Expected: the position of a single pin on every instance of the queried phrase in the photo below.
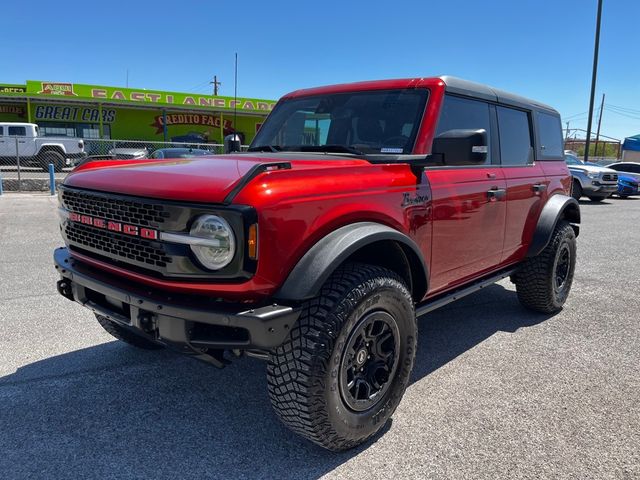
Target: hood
(195, 179)
(625, 177)
(591, 169)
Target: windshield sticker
(391, 150)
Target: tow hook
(65, 289)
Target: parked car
(590, 180)
(23, 140)
(630, 169)
(627, 186)
(129, 153)
(318, 249)
(180, 153)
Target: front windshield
(572, 160)
(366, 122)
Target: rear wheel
(543, 282)
(53, 157)
(576, 190)
(346, 364)
(126, 335)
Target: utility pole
(595, 153)
(566, 135)
(593, 81)
(215, 84)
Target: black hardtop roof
(471, 89)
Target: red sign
(192, 119)
(53, 88)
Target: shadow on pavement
(111, 411)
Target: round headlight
(218, 243)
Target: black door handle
(539, 187)
(495, 194)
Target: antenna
(235, 96)
(127, 78)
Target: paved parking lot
(497, 392)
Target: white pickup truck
(22, 140)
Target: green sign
(13, 88)
(154, 97)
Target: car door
(526, 181)
(18, 140)
(468, 203)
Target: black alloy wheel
(369, 360)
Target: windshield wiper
(265, 148)
(331, 148)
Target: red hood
(198, 179)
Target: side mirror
(461, 147)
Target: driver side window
(463, 113)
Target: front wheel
(346, 364)
(576, 190)
(543, 282)
(52, 157)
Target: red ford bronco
(357, 209)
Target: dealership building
(94, 111)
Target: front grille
(609, 177)
(127, 248)
(133, 212)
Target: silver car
(591, 181)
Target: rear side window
(462, 113)
(1, 131)
(18, 131)
(515, 137)
(550, 134)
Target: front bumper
(189, 323)
(600, 188)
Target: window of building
(515, 137)
(463, 113)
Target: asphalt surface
(497, 392)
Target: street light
(593, 82)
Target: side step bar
(442, 300)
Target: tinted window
(377, 121)
(550, 133)
(630, 167)
(466, 114)
(18, 131)
(515, 137)
(1, 131)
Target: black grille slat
(126, 247)
(608, 177)
(133, 212)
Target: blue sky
(537, 48)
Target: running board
(442, 300)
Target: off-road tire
(51, 156)
(536, 277)
(127, 336)
(576, 190)
(304, 374)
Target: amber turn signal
(252, 242)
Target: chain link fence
(24, 160)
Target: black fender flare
(558, 206)
(323, 258)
